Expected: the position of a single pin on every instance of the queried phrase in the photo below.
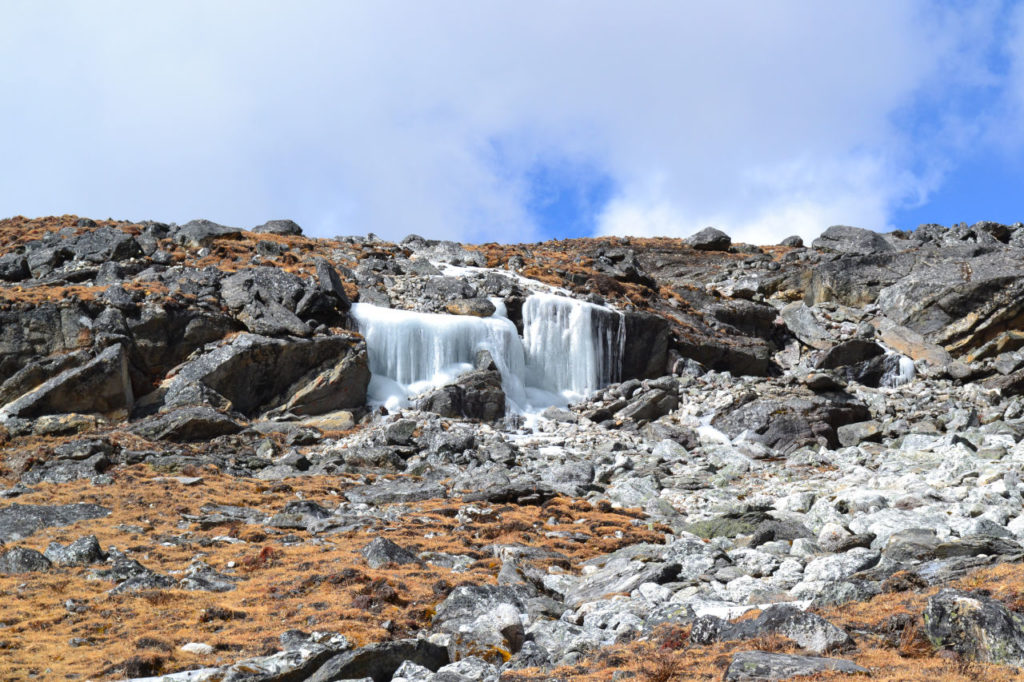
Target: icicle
(572, 348)
(411, 352)
(900, 370)
(569, 349)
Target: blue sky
(516, 121)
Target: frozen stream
(569, 348)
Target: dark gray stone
(19, 521)
(810, 631)
(854, 240)
(200, 233)
(82, 552)
(380, 661)
(187, 424)
(22, 560)
(255, 373)
(102, 385)
(381, 552)
(709, 239)
(649, 406)
(977, 628)
(758, 665)
(474, 395)
(281, 227)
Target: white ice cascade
(572, 348)
(569, 349)
(900, 370)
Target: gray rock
(471, 669)
(381, 552)
(200, 233)
(102, 385)
(401, 432)
(786, 420)
(474, 395)
(202, 577)
(380, 661)
(399, 491)
(709, 239)
(649, 406)
(810, 631)
(14, 267)
(849, 353)
(131, 576)
(22, 560)
(795, 241)
(281, 227)
(621, 573)
(853, 240)
(82, 552)
(859, 432)
(253, 373)
(977, 628)
(18, 521)
(103, 245)
(187, 424)
(482, 620)
(758, 665)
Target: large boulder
(709, 239)
(200, 233)
(19, 521)
(645, 355)
(958, 303)
(265, 300)
(103, 245)
(856, 240)
(378, 661)
(187, 424)
(978, 628)
(483, 620)
(474, 395)
(792, 419)
(22, 560)
(279, 227)
(253, 373)
(101, 386)
(28, 333)
(761, 666)
(810, 631)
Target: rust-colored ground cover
(288, 578)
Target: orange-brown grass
(34, 295)
(324, 585)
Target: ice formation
(899, 370)
(568, 349)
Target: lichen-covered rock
(22, 560)
(810, 631)
(760, 666)
(976, 627)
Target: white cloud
(762, 118)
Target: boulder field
(789, 460)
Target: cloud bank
(451, 119)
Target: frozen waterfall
(569, 348)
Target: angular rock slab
(977, 628)
(18, 521)
(380, 661)
(810, 631)
(101, 386)
(758, 665)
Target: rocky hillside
(808, 463)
